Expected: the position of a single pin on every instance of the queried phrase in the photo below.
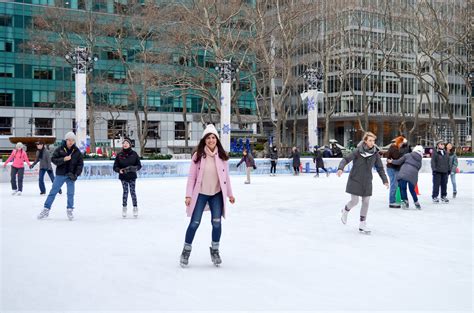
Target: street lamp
(227, 72)
(82, 62)
(314, 95)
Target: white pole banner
(81, 111)
(225, 115)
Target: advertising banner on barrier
(180, 168)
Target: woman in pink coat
(19, 157)
(208, 184)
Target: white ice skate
(14, 192)
(135, 212)
(363, 229)
(124, 212)
(70, 216)
(344, 216)
(18, 193)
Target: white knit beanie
(70, 135)
(210, 129)
(419, 149)
(19, 145)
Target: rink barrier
(180, 168)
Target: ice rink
(283, 248)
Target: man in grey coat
(44, 159)
(359, 183)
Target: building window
(43, 98)
(6, 126)
(116, 77)
(153, 130)
(179, 131)
(116, 129)
(6, 98)
(43, 73)
(5, 20)
(7, 70)
(43, 126)
(6, 45)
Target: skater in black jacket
(318, 161)
(127, 163)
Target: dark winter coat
(327, 153)
(453, 162)
(404, 149)
(44, 159)
(249, 161)
(129, 161)
(318, 159)
(73, 166)
(440, 162)
(336, 152)
(359, 182)
(296, 158)
(273, 156)
(394, 154)
(410, 165)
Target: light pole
(314, 96)
(227, 74)
(82, 62)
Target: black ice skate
(215, 257)
(444, 200)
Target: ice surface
(283, 247)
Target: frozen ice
(283, 247)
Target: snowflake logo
(84, 92)
(226, 129)
(311, 104)
(222, 100)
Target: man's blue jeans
(42, 172)
(216, 203)
(392, 175)
(58, 182)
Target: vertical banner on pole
(313, 99)
(81, 111)
(225, 115)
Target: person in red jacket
(19, 158)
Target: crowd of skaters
(209, 185)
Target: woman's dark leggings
(273, 167)
(129, 185)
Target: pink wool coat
(19, 157)
(196, 172)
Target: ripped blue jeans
(216, 204)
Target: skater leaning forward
(69, 164)
(19, 158)
(208, 184)
(127, 163)
(249, 163)
(318, 161)
(410, 165)
(359, 183)
(44, 159)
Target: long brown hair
(199, 150)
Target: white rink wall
(180, 168)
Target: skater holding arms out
(249, 163)
(408, 175)
(208, 183)
(19, 158)
(318, 161)
(127, 164)
(69, 164)
(359, 183)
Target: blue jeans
(453, 181)
(403, 190)
(392, 175)
(42, 172)
(216, 203)
(58, 182)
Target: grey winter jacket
(296, 158)
(360, 178)
(410, 166)
(273, 156)
(440, 162)
(44, 161)
(453, 162)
